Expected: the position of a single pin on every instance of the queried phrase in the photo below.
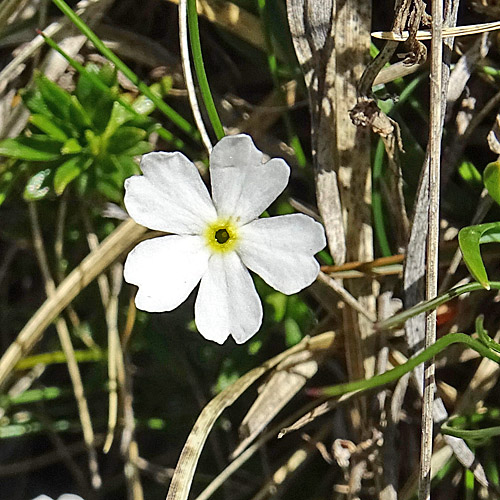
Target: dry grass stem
(69, 352)
(186, 466)
(454, 31)
(432, 264)
(123, 238)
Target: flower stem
(399, 371)
(377, 209)
(199, 66)
(427, 305)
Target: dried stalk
(332, 56)
(432, 267)
(69, 352)
(124, 237)
(185, 469)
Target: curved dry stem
(188, 75)
(69, 351)
(122, 238)
(186, 466)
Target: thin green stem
(199, 66)
(377, 208)
(471, 434)
(161, 131)
(490, 464)
(55, 357)
(170, 113)
(400, 318)
(399, 371)
(483, 335)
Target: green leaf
(470, 238)
(143, 105)
(125, 138)
(69, 171)
(34, 148)
(109, 190)
(8, 180)
(139, 149)
(37, 187)
(33, 100)
(57, 99)
(293, 334)
(94, 141)
(128, 166)
(108, 75)
(278, 301)
(101, 115)
(119, 116)
(47, 125)
(105, 165)
(491, 179)
(469, 173)
(86, 90)
(71, 146)
(96, 102)
(78, 116)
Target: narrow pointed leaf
(143, 105)
(47, 125)
(491, 179)
(71, 146)
(138, 149)
(34, 148)
(108, 75)
(57, 99)
(78, 116)
(125, 138)
(69, 171)
(128, 166)
(469, 173)
(86, 90)
(33, 100)
(470, 238)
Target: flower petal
(227, 302)
(166, 270)
(281, 249)
(242, 186)
(170, 196)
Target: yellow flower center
(221, 236)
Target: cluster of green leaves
(91, 135)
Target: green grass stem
(161, 131)
(400, 318)
(170, 113)
(199, 66)
(394, 374)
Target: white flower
(216, 240)
(66, 496)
